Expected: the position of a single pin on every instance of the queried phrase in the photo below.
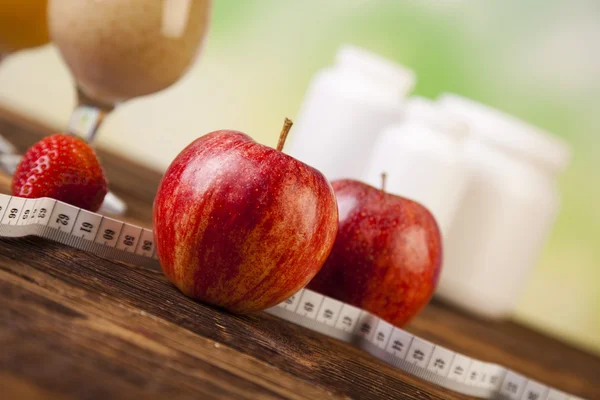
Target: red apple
(241, 225)
(387, 255)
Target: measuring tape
(110, 238)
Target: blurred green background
(536, 59)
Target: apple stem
(383, 178)
(287, 124)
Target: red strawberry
(64, 168)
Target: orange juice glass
(22, 25)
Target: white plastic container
(423, 159)
(345, 108)
(507, 211)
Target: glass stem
(87, 116)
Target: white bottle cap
(509, 133)
(377, 69)
(421, 108)
(427, 111)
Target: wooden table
(73, 325)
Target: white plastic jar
(346, 106)
(423, 158)
(507, 211)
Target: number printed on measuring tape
(475, 373)
(513, 386)
(382, 334)
(459, 368)
(399, 343)
(309, 304)
(495, 375)
(146, 246)
(348, 318)
(440, 361)
(366, 325)
(13, 211)
(329, 311)
(292, 303)
(130, 236)
(27, 213)
(63, 217)
(45, 207)
(535, 391)
(109, 232)
(419, 352)
(114, 239)
(87, 225)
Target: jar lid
(377, 68)
(508, 132)
(431, 113)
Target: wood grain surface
(73, 325)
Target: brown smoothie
(119, 49)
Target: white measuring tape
(107, 237)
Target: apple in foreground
(241, 225)
(387, 255)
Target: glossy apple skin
(240, 225)
(387, 256)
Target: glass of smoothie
(121, 49)
(22, 26)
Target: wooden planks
(91, 320)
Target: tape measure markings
(63, 223)
(87, 225)
(110, 238)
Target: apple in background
(240, 225)
(387, 255)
